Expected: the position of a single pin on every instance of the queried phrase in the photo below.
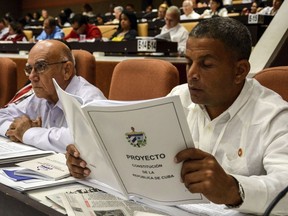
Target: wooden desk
(15, 203)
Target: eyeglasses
(40, 66)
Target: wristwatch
(241, 194)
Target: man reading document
(239, 128)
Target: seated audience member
(50, 30)
(38, 120)
(88, 10)
(216, 9)
(253, 9)
(80, 26)
(44, 15)
(4, 29)
(161, 12)
(100, 20)
(15, 33)
(63, 20)
(110, 10)
(68, 12)
(35, 16)
(117, 12)
(127, 29)
(272, 10)
(130, 7)
(173, 30)
(188, 11)
(239, 127)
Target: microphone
(275, 201)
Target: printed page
(142, 139)
(51, 167)
(99, 203)
(86, 141)
(14, 152)
(32, 183)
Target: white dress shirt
(3, 32)
(249, 140)
(192, 15)
(54, 133)
(208, 13)
(177, 34)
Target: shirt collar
(236, 106)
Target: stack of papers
(30, 184)
(11, 152)
(52, 167)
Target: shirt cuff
(4, 127)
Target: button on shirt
(249, 140)
(54, 133)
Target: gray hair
(174, 9)
(119, 8)
(233, 34)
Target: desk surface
(14, 203)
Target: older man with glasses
(38, 119)
(173, 30)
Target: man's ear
(242, 69)
(68, 70)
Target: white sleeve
(55, 139)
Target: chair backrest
(8, 80)
(28, 34)
(107, 30)
(276, 79)
(67, 30)
(189, 25)
(142, 29)
(140, 79)
(85, 65)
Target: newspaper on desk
(94, 202)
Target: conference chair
(28, 34)
(107, 30)
(142, 29)
(67, 30)
(189, 25)
(8, 81)
(85, 65)
(276, 79)
(139, 79)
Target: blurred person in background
(127, 29)
(81, 26)
(50, 30)
(216, 9)
(189, 13)
(15, 33)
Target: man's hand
(76, 165)
(19, 126)
(201, 173)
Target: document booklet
(52, 167)
(29, 184)
(131, 146)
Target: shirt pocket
(234, 164)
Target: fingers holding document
(201, 173)
(76, 165)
